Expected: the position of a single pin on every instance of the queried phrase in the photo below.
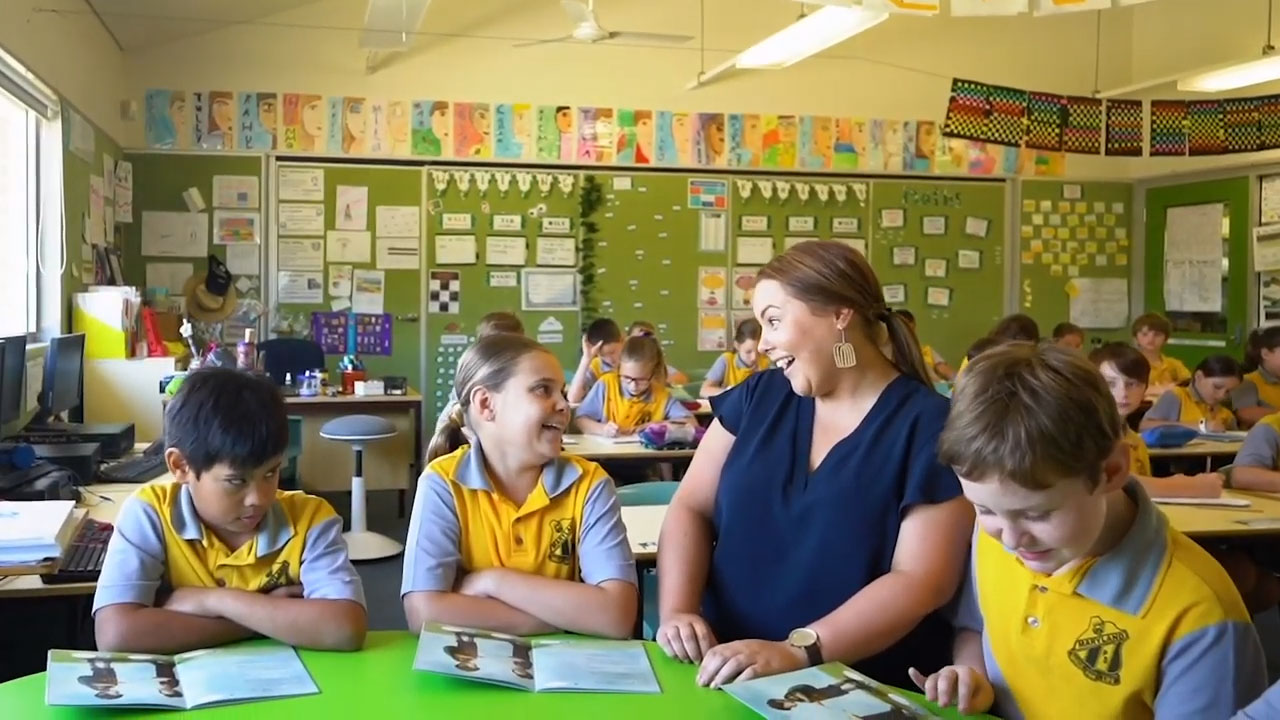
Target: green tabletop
(381, 679)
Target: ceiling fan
(587, 29)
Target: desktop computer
(62, 391)
(13, 364)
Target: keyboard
(138, 469)
(82, 560)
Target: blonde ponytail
(449, 436)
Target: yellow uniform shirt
(568, 528)
(1258, 389)
(1190, 408)
(1139, 456)
(729, 370)
(1261, 447)
(930, 361)
(1153, 628)
(160, 539)
(1169, 371)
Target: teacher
(815, 522)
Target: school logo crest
(561, 549)
(1099, 651)
(277, 578)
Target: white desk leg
(362, 544)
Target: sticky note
(1117, 208)
(1082, 233)
(1073, 271)
(1100, 233)
(1121, 233)
(1064, 233)
(1037, 219)
(1082, 259)
(1122, 259)
(1028, 206)
(1073, 246)
(1028, 258)
(1073, 220)
(1109, 220)
(1099, 207)
(1091, 247)
(1028, 231)
(1064, 207)
(1046, 206)
(1055, 246)
(1090, 220)
(1046, 259)
(1111, 247)
(1055, 219)
(1100, 260)
(1056, 271)
(1037, 246)
(1064, 258)
(1082, 207)
(1046, 232)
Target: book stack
(34, 532)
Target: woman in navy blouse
(815, 522)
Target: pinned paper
(455, 249)
(976, 226)
(753, 250)
(351, 211)
(194, 200)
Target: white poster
(754, 250)
(108, 177)
(299, 287)
(547, 289)
(340, 281)
(244, 259)
(557, 252)
(713, 330)
(1099, 302)
(236, 227)
(1270, 199)
(170, 276)
(397, 221)
(349, 247)
(124, 191)
(300, 219)
(368, 287)
(398, 253)
(455, 249)
(300, 254)
(175, 234)
(306, 184)
(235, 191)
(500, 250)
(351, 211)
(1193, 285)
(713, 231)
(1266, 248)
(1193, 258)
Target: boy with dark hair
(601, 351)
(221, 554)
(1150, 333)
(1068, 335)
(1078, 586)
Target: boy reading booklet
(537, 664)
(190, 680)
(831, 690)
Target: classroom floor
(381, 577)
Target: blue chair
(648, 493)
(289, 479)
(293, 356)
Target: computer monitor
(63, 369)
(13, 365)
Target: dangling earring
(843, 352)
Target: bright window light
(808, 36)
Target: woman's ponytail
(905, 348)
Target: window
(18, 194)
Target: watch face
(802, 637)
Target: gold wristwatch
(807, 640)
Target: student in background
(491, 324)
(601, 346)
(624, 402)
(1200, 405)
(733, 368)
(1069, 336)
(1259, 393)
(644, 327)
(241, 557)
(1125, 371)
(1012, 328)
(507, 534)
(1150, 333)
(1079, 590)
(937, 365)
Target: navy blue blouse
(792, 545)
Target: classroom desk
(380, 680)
(1207, 522)
(1199, 448)
(594, 447)
(391, 464)
(643, 524)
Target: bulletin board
(924, 236)
(159, 183)
(650, 258)
(77, 171)
(511, 219)
(1069, 231)
(365, 188)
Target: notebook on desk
(1225, 436)
(624, 440)
(1207, 502)
(34, 530)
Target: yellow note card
(1055, 246)
(1109, 220)
(1112, 247)
(1064, 233)
(1100, 233)
(1037, 219)
(1082, 207)
(1028, 258)
(1100, 260)
(1073, 221)
(1064, 207)
(1082, 233)
(1091, 247)
(1046, 232)
(1046, 206)
(1046, 259)
(1028, 231)
(1122, 258)
(1028, 206)
(1073, 247)
(1073, 271)
(1082, 259)
(1056, 270)
(1121, 233)
(1037, 246)
(1064, 258)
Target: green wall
(76, 172)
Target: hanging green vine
(589, 202)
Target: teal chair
(648, 493)
(289, 479)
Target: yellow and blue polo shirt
(728, 370)
(1261, 447)
(1153, 628)
(1139, 455)
(569, 528)
(1184, 405)
(610, 401)
(160, 540)
(1169, 371)
(1258, 389)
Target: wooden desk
(644, 523)
(1203, 522)
(1199, 448)
(594, 447)
(391, 464)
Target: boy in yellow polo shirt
(1150, 333)
(507, 533)
(221, 554)
(1082, 601)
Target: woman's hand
(747, 659)
(686, 637)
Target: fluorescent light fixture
(1236, 75)
(809, 35)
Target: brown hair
(499, 322)
(1126, 358)
(828, 274)
(603, 331)
(644, 325)
(1264, 338)
(748, 329)
(489, 363)
(1065, 329)
(1153, 321)
(1015, 328)
(1031, 415)
(647, 350)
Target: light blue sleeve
(327, 572)
(592, 406)
(1168, 408)
(718, 370)
(604, 553)
(1260, 448)
(432, 553)
(1211, 673)
(1266, 707)
(1246, 396)
(134, 565)
(966, 614)
(675, 409)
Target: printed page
(77, 677)
(475, 655)
(237, 674)
(826, 691)
(593, 666)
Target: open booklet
(541, 665)
(190, 680)
(826, 691)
